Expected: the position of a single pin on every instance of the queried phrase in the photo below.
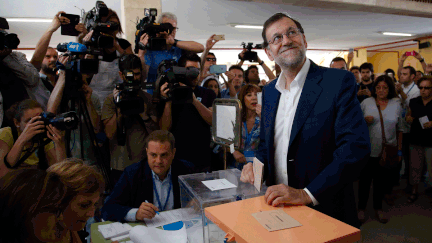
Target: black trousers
(382, 183)
(406, 152)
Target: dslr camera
(65, 121)
(249, 55)
(93, 22)
(147, 25)
(129, 100)
(9, 41)
(169, 72)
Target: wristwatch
(175, 42)
(261, 63)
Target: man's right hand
(409, 119)
(115, 93)
(58, 21)
(369, 119)
(146, 211)
(164, 90)
(241, 55)
(402, 59)
(247, 174)
(144, 39)
(211, 42)
(230, 75)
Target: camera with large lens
(65, 121)
(147, 25)
(93, 21)
(7, 40)
(169, 72)
(129, 100)
(249, 55)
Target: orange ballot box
(237, 220)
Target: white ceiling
(198, 19)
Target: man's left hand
(427, 125)
(284, 195)
(367, 92)
(58, 21)
(418, 56)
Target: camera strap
(20, 161)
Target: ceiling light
(396, 34)
(32, 20)
(244, 26)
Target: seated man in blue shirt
(175, 49)
(150, 185)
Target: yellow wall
(384, 60)
(360, 57)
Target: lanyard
(157, 195)
(410, 88)
(249, 135)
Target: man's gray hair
(167, 15)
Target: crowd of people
(152, 138)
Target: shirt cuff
(314, 201)
(131, 215)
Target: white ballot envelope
(258, 169)
(423, 120)
(259, 97)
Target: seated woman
(84, 186)
(30, 206)
(250, 116)
(16, 142)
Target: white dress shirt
(412, 91)
(288, 102)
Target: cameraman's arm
(204, 112)
(267, 70)
(57, 94)
(166, 120)
(190, 46)
(110, 116)
(141, 54)
(92, 102)
(42, 45)
(241, 56)
(17, 62)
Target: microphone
(76, 47)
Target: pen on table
(155, 210)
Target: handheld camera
(249, 55)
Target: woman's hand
(427, 125)
(369, 119)
(239, 157)
(55, 135)
(409, 119)
(33, 127)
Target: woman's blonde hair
(78, 177)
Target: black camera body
(7, 40)
(129, 100)
(249, 55)
(78, 65)
(93, 22)
(169, 72)
(65, 121)
(147, 25)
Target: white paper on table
(225, 121)
(142, 234)
(259, 97)
(112, 230)
(218, 184)
(258, 169)
(171, 216)
(423, 120)
(122, 237)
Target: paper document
(258, 169)
(275, 220)
(259, 97)
(113, 230)
(423, 120)
(142, 234)
(171, 216)
(218, 184)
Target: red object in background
(410, 53)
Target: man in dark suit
(150, 185)
(313, 141)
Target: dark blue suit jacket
(329, 143)
(136, 185)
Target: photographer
(16, 141)
(208, 59)
(136, 126)
(175, 48)
(190, 123)
(251, 74)
(16, 73)
(107, 77)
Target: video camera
(65, 121)
(169, 72)
(9, 41)
(129, 100)
(87, 66)
(148, 25)
(249, 55)
(93, 22)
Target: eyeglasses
(291, 33)
(211, 59)
(426, 88)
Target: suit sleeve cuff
(131, 215)
(314, 201)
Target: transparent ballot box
(196, 195)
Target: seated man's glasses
(291, 33)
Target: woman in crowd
(250, 117)
(386, 99)
(214, 85)
(84, 186)
(31, 206)
(16, 141)
(421, 146)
